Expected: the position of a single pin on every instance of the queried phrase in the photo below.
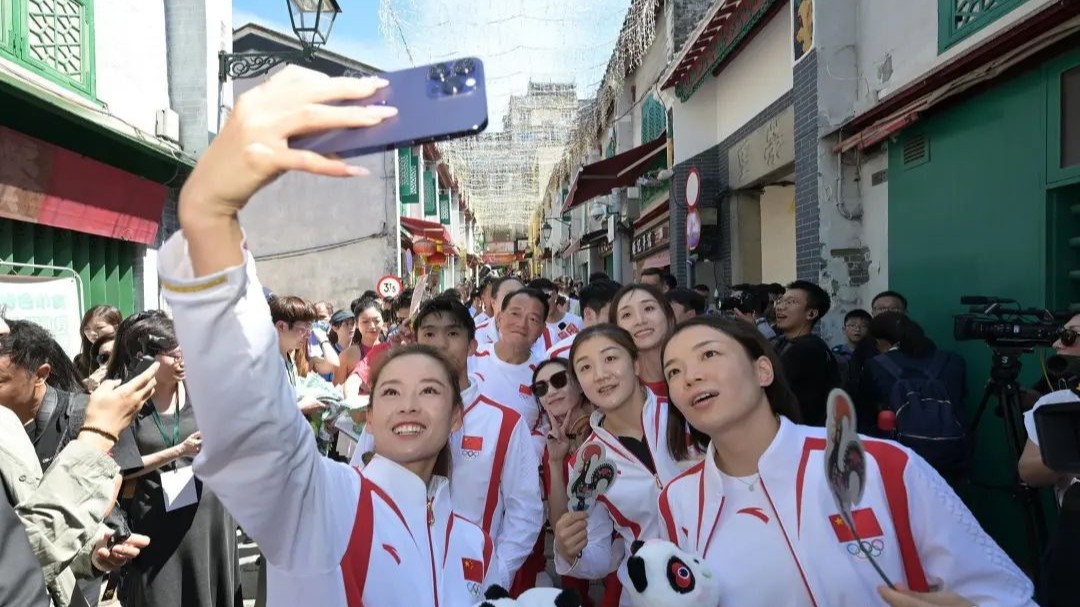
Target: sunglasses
(1067, 337)
(557, 381)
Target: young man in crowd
(888, 301)
(659, 279)
(494, 457)
(595, 303)
(808, 364)
(487, 302)
(687, 303)
(293, 318)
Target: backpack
(926, 419)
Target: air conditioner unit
(633, 193)
(167, 125)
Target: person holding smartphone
(63, 509)
(332, 536)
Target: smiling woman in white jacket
(632, 425)
(332, 536)
(759, 510)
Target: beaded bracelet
(100, 432)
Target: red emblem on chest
(525, 390)
(866, 526)
(472, 443)
(473, 570)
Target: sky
(518, 40)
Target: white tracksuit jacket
(495, 480)
(927, 537)
(629, 506)
(329, 539)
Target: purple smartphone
(435, 103)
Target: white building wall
(130, 60)
(758, 76)
(898, 43)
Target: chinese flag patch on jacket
(866, 525)
(472, 443)
(473, 570)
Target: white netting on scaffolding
(544, 60)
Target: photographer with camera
(750, 303)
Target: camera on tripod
(1002, 323)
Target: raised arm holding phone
(323, 527)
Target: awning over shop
(430, 230)
(619, 171)
(571, 248)
(88, 129)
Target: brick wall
(713, 166)
(807, 214)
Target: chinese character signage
(52, 303)
(647, 242)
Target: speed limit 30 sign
(389, 286)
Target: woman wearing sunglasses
(644, 312)
(632, 424)
(566, 412)
(759, 511)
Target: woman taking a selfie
(759, 510)
(647, 446)
(644, 312)
(193, 560)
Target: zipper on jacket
(791, 549)
(431, 551)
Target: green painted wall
(973, 221)
(106, 266)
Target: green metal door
(106, 266)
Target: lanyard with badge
(178, 484)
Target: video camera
(745, 298)
(1001, 322)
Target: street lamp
(311, 22)
(545, 230)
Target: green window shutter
(958, 19)
(408, 176)
(7, 28)
(653, 119)
(444, 208)
(105, 266)
(610, 148)
(430, 202)
(54, 38)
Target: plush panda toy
(497, 596)
(662, 575)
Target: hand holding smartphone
(435, 102)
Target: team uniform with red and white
(494, 479)
(561, 349)
(332, 536)
(784, 544)
(629, 507)
(507, 384)
(556, 332)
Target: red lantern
(424, 248)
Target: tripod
(1003, 387)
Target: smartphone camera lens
(452, 86)
(438, 72)
(464, 67)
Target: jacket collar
(596, 420)
(408, 492)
